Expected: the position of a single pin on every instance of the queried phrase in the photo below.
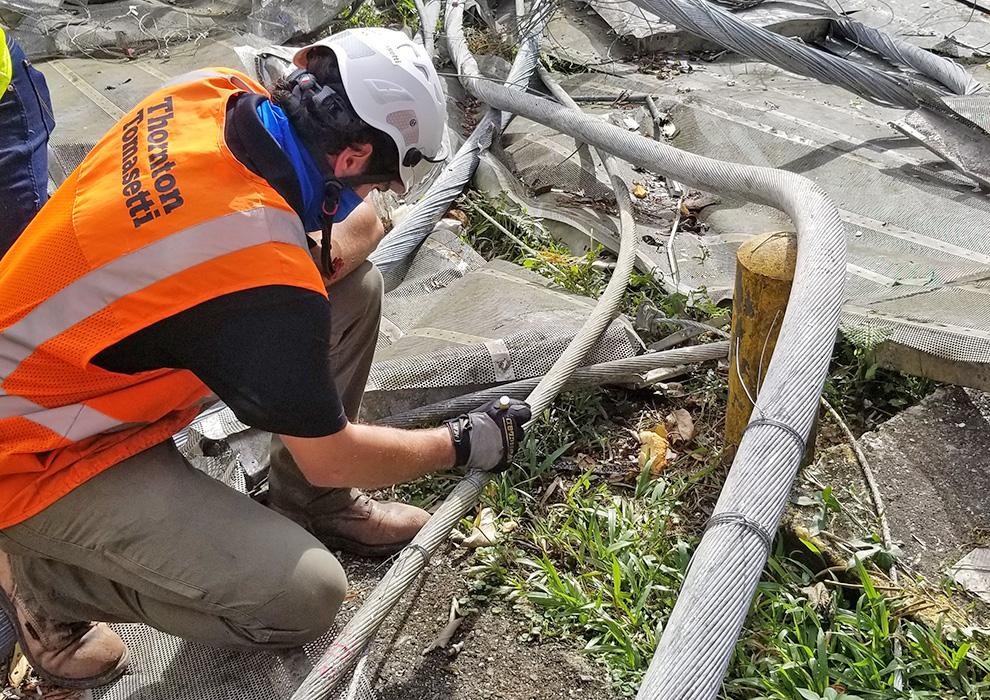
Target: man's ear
(353, 160)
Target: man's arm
(369, 456)
(353, 240)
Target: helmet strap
(332, 188)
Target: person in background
(26, 122)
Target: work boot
(365, 527)
(67, 654)
(342, 519)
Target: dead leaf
(680, 427)
(819, 596)
(585, 463)
(638, 191)
(653, 446)
(19, 668)
(454, 621)
(484, 533)
(458, 215)
(550, 490)
(54, 692)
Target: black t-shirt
(263, 351)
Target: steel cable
(947, 72)
(418, 223)
(340, 657)
(610, 372)
(723, 28)
(700, 635)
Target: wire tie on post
(778, 424)
(740, 519)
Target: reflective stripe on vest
(126, 275)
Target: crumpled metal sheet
(121, 29)
(918, 234)
(281, 21)
(965, 147)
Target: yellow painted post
(764, 273)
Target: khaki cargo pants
(153, 540)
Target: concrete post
(764, 273)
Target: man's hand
(487, 437)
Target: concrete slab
(931, 466)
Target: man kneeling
(174, 266)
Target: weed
(530, 244)
(390, 13)
(484, 42)
(865, 393)
(601, 563)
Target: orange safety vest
(158, 218)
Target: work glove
(486, 438)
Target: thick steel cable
(414, 228)
(611, 299)
(589, 376)
(945, 71)
(725, 29)
(429, 13)
(700, 635)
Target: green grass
(601, 565)
(575, 273)
(387, 13)
(599, 560)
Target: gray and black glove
(487, 437)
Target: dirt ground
(493, 662)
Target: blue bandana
(310, 178)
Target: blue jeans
(26, 120)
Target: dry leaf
(653, 446)
(638, 191)
(680, 426)
(454, 621)
(484, 533)
(585, 463)
(458, 215)
(19, 668)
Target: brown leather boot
(365, 526)
(342, 519)
(68, 654)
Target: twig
(885, 536)
(843, 584)
(518, 241)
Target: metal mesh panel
(898, 248)
(164, 667)
(976, 108)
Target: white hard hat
(393, 86)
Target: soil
(494, 663)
